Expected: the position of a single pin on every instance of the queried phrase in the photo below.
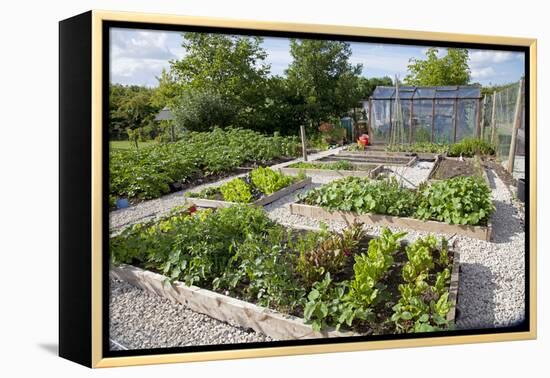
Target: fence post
(370, 129)
(455, 121)
(482, 116)
(304, 144)
(433, 119)
(494, 120)
(517, 124)
(411, 123)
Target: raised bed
(222, 307)
(476, 168)
(244, 314)
(333, 173)
(371, 159)
(316, 212)
(201, 202)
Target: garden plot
(155, 208)
(342, 168)
(261, 187)
(446, 168)
(461, 205)
(371, 159)
(305, 271)
(492, 289)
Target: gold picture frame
(98, 18)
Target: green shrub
(236, 191)
(469, 147)
(460, 200)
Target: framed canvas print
(234, 189)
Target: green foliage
(342, 165)
(323, 78)
(369, 269)
(451, 69)
(325, 305)
(148, 172)
(236, 191)
(269, 181)
(263, 272)
(131, 107)
(202, 110)
(363, 195)
(459, 200)
(421, 307)
(195, 248)
(469, 147)
(321, 253)
(424, 147)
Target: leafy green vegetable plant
(459, 200)
(269, 181)
(469, 147)
(236, 191)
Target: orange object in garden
(364, 139)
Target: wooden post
(517, 125)
(304, 144)
(455, 118)
(433, 119)
(370, 129)
(411, 122)
(482, 125)
(391, 121)
(478, 119)
(494, 120)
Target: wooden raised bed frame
(440, 158)
(243, 314)
(201, 202)
(316, 212)
(333, 173)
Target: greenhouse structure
(410, 114)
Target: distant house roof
(428, 93)
(164, 115)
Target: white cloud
(483, 57)
(483, 73)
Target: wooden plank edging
(453, 287)
(201, 202)
(222, 307)
(316, 212)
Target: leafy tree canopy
(322, 75)
(451, 69)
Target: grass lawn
(127, 145)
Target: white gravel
(139, 320)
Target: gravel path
(143, 320)
(158, 207)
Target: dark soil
(501, 172)
(449, 168)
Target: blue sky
(138, 57)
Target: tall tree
(232, 66)
(323, 77)
(451, 69)
(368, 85)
